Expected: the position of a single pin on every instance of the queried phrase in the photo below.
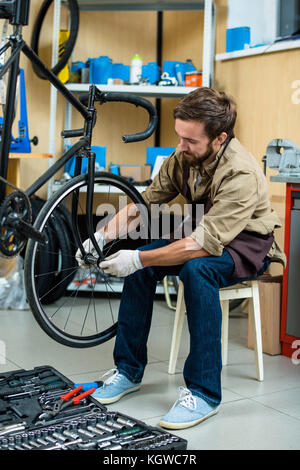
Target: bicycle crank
(15, 224)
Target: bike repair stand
(21, 144)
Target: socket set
(44, 412)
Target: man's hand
(122, 263)
(89, 248)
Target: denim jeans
(202, 278)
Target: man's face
(195, 144)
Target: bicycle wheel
(86, 313)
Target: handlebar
(137, 101)
(104, 97)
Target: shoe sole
(188, 424)
(107, 401)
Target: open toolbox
(33, 416)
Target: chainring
(16, 206)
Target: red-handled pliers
(65, 401)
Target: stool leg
(177, 329)
(256, 325)
(225, 320)
(167, 295)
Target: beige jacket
(238, 190)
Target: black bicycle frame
(17, 12)
(13, 62)
(17, 46)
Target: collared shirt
(237, 189)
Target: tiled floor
(253, 415)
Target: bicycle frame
(81, 148)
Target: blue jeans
(202, 278)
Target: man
(233, 241)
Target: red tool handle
(77, 399)
(71, 393)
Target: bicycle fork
(87, 152)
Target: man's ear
(222, 137)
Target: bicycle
(60, 312)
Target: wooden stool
(244, 290)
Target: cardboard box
(137, 172)
(270, 311)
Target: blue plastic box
(237, 38)
(153, 152)
(100, 152)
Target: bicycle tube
(69, 45)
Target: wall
(261, 85)
(254, 14)
(119, 35)
(268, 105)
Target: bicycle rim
(86, 314)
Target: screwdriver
(88, 385)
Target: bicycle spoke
(75, 295)
(85, 313)
(50, 290)
(53, 272)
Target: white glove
(122, 263)
(89, 248)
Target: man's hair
(215, 109)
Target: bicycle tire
(57, 256)
(69, 44)
(62, 259)
(46, 264)
(58, 325)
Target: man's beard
(197, 162)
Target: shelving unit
(148, 90)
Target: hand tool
(122, 420)
(62, 445)
(29, 390)
(12, 427)
(71, 434)
(115, 425)
(95, 430)
(42, 378)
(65, 401)
(88, 385)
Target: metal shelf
(147, 91)
(123, 5)
(150, 91)
(115, 287)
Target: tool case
(33, 416)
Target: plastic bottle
(136, 69)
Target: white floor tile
(253, 415)
(286, 402)
(241, 425)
